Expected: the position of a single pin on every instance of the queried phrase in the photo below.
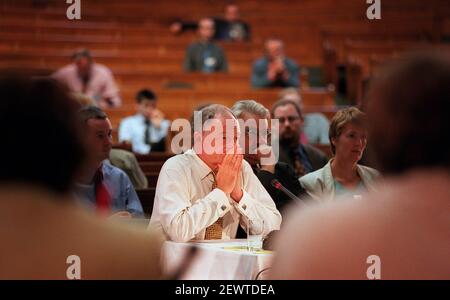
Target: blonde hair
(342, 118)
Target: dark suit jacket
(222, 27)
(316, 157)
(193, 61)
(285, 174)
(223, 30)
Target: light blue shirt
(132, 129)
(259, 77)
(122, 192)
(342, 190)
(316, 128)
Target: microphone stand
(276, 184)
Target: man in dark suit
(253, 118)
(204, 55)
(304, 158)
(229, 27)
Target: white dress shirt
(185, 205)
(132, 129)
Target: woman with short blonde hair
(343, 174)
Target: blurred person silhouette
(87, 77)
(204, 55)
(147, 130)
(315, 124)
(40, 224)
(274, 69)
(406, 223)
(230, 27)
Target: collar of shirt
(106, 170)
(139, 117)
(106, 167)
(206, 173)
(202, 168)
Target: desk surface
(218, 260)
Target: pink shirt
(100, 86)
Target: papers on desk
(217, 260)
(245, 249)
(238, 245)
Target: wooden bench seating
(133, 39)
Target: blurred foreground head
(403, 223)
(408, 114)
(40, 140)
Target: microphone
(276, 184)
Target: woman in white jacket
(342, 175)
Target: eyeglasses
(291, 119)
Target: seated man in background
(303, 157)
(124, 160)
(400, 231)
(255, 141)
(209, 191)
(101, 185)
(275, 69)
(147, 130)
(203, 55)
(231, 27)
(40, 224)
(228, 28)
(87, 77)
(315, 125)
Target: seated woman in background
(342, 174)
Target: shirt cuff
(245, 204)
(223, 204)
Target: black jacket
(285, 174)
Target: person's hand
(175, 27)
(120, 215)
(237, 192)
(156, 117)
(272, 71)
(228, 171)
(279, 64)
(267, 158)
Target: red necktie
(102, 196)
